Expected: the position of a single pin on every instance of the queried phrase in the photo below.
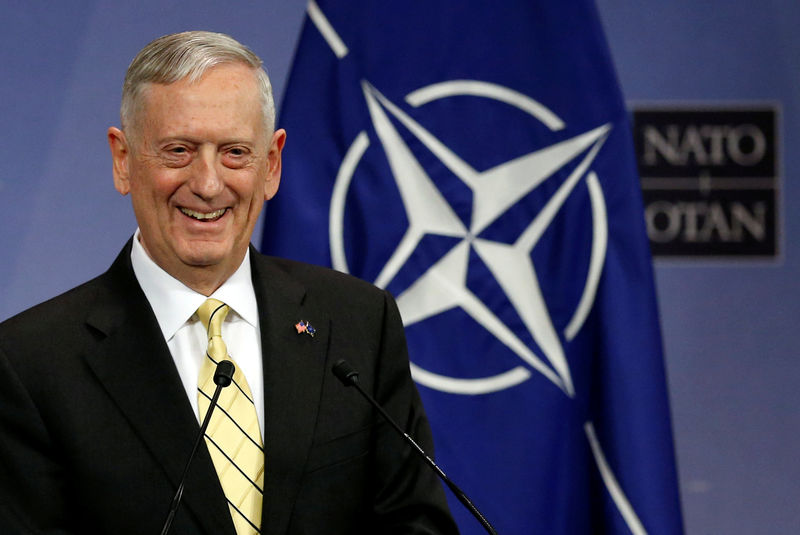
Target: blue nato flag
(475, 159)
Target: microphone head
(224, 374)
(345, 373)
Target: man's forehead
(226, 101)
(232, 90)
(226, 77)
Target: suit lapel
(135, 367)
(294, 367)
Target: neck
(202, 281)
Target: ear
(274, 164)
(120, 152)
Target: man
(102, 388)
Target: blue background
(730, 328)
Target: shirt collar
(173, 302)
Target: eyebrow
(197, 141)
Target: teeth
(203, 217)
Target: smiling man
(102, 389)
(199, 160)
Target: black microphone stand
(349, 376)
(222, 378)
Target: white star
(443, 286)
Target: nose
(206, 181)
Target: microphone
(349, 377)
(222, 378)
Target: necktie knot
(212, 313)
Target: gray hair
(188, 55)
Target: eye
(176, 155)
(236, 156)
(175, 149)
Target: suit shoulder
(335, 291)
(314, 276)
(54, 314)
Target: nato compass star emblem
(494, 191)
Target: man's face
(199, 166)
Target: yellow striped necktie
(233, 437)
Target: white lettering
(755, 222)
(663, 221)
(705, 145)
(716, 136)
(692, 145)
(756, 139)
(667, 147)
(715, 223)
(705, 222)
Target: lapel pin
(303, 326)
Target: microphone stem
(176, 500)
(452, 486)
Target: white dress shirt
(175, 304)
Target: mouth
(204, 216)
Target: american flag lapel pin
(303, 326)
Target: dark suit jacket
(95, 426)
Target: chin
(206, 256)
